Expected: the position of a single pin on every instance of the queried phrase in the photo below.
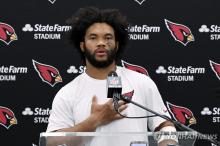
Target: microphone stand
(176, 123)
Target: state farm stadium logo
(46, 31)
(7, 33)
(213, 31)
(180, 32)
(11, 72)
(76, 70)
(212, 113)
(39, 115)
(142, 32)
(181, 74)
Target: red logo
(47, 73)
(181, 114)
(128, 95)
(180, 33)
(7, 33)
(134, 67)
(216, 68)
(114, 81)
(7, 117)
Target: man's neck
(99, 73)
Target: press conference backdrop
(176, 43)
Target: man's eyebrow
(92, 34)
(109, 34)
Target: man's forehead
(100, 28)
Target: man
(82, 105)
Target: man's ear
(82, 46)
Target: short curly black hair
(87, 16)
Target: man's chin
(101, 63)
(101, 58)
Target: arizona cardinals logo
(7, 33)
(134, 67)
(216, 68)
(7, 117)
(181, 114)
(128, 95)
(47, 73)
(180, 33)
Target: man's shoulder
(73, 84)
(132, 73)
(135, 76)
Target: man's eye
(108, 38)
(92, 38)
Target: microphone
(114, 88)
(114, 85)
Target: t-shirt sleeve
(61, 115)
(155, 102)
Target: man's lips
(101, 52)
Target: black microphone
(114, 88)
(114, 85)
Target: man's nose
(101, 42)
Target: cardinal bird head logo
(47, 73)
(181, 114)
(216, 68)
(133, 67)
(180, 33)
(7, 117)
(128, 95)
(7, 33)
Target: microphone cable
(116, 98)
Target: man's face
(99, 46)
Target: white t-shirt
(72, 104)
